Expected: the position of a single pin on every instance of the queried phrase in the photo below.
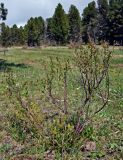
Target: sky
(19, 11)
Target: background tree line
(101, 22)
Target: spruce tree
(74, 24)
(60, 25)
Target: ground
(27, 66)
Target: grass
(28, 66)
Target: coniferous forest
(100, 22)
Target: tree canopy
(74, 24)
(3, 11)
(99, 22)
(60, 25)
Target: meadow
(28, 67)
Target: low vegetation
(60, 103)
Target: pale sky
(19, 11)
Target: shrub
(63, 119)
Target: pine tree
(22, 37)
(40, 28)
(114, 2)
(5, 35)
(60, 25)
(35, 31)
(89, 22)
(115, 21)
(49, 33)
(14, 35)
(103, 7)
(74, 24)
(3, 12)
(102, 27)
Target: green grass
(28, 66)
(118, 51)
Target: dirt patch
(24, 157)
(29, 62)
